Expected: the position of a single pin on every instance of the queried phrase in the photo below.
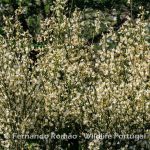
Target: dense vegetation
(74, 68)
(34, 10)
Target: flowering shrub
(74, 88)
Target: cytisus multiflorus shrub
(74, 88)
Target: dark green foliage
(34, 9)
